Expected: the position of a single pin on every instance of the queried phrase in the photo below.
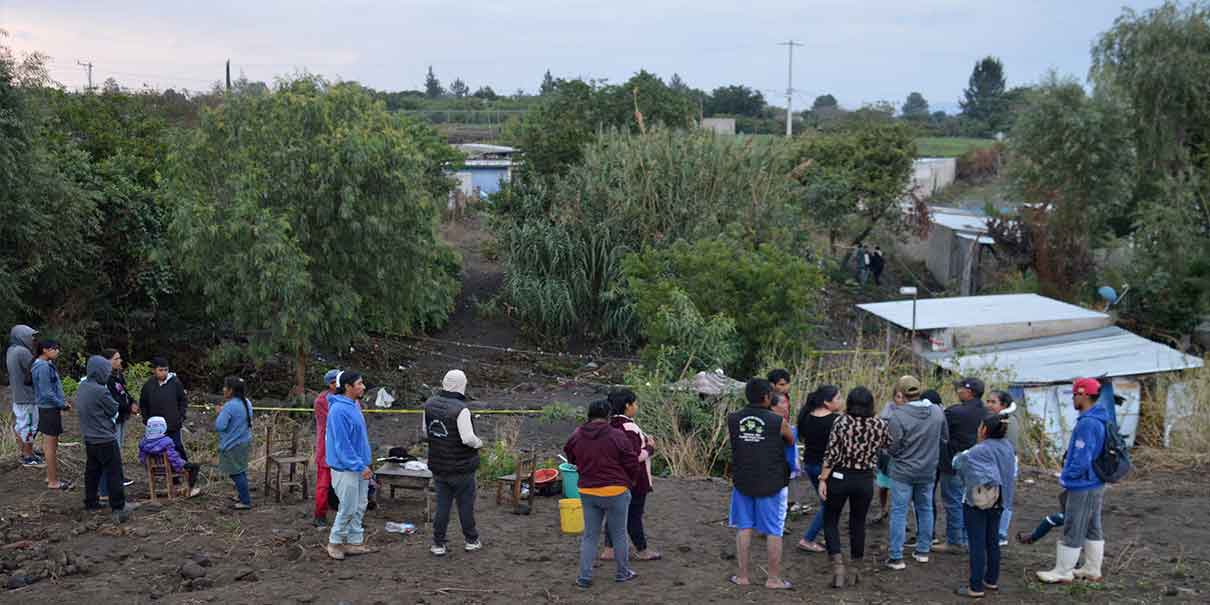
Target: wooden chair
(522, 478)
(158, 468)
(285, 455)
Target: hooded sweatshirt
(990, 462)
(156, 443)
(918, 434)
(346, 442)
(638, 441)
(96, 408)
(166, 400)
(20, 360)
(603, 455)
(48, 389)
(1087, 441)
(963, 421)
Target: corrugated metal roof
(1108, 351)
(983, 239)
(965, 311)
(484, 148)
(959, 221)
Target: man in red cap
(1085, 491)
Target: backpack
(1113, 463)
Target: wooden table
(394, 476)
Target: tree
(459, 88)
(915, 108)
(736, 100)
(677, 84)
(1156, 62)
(287, 203)
(983, 98)
(548, 84)
(432, 86)
(1070, 197)
(486, 93)
(825, 102)
(553, 134)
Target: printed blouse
(854, 443)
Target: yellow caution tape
(369, 411)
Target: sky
(861, 51)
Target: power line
(89, 66)
(790, 44)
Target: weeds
(500, 458)
(559, 411)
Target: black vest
(447, 454)
(758, 456)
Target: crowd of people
(914, 449)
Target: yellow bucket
(571, 516)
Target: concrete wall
(984, 335)
(719, 125)
(930, 175)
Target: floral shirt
(854, 443)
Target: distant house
(486, 166)
(1034, 347)
(719, 125)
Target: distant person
(780, 379)
(815, 422)
(760, 476)
(1048, 523)
(987, 471)
(163, 395)
(608, 465)
(781, 407)
(847, 478)
(19, 359)
(862, 261)
(48, 394)
(323, 474)
(156, 443)
(453, 459)
(1082, 530)
(918, 432)
(877, 264)
(234, 428)
(126, 406)
(1001, 402)
(962, 420)
(347, 448)
(98, 413)
(624, 406)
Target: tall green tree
(736, 100)
(983, 98)
(305, 218)
(548, 84)
(459, 88)
(432, 86)
(915, 108)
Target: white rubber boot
(1094, 553)
(1065, 563)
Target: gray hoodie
(918, 436)
(20, 360)
(1014, 425)
(97, 409)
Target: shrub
(980, 164)
(559, 411)
(690, 432)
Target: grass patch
(948, 147)
(558, 411)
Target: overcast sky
(859, 50)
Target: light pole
(906, 290)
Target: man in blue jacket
(347, 451)
(48, 394)
(1085, 491)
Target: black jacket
(117, 389)
(167, 400)
(447, 454)
(962, 420)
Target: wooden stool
(285, 455)
(158, 467)
(522, 477)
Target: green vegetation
(949, 147)
(559, 411)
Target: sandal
(809, 547)
(63, 486)
(735, 580)
(241, 506)
(785, 585)
(651, 556)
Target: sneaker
(195, 492)
(120, 516)
(896, 564)
(583, 584)
(128, 483)
(473, 546)
(438, 550)
(336, 551)
(1003, 541)
(32, 462)
(626, 578)
(320, 523)
(920, 557)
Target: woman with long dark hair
(815, 422)
(847, 476)
(987, 476)
(234, 427)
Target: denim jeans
(816, 526)
(449, 489)
(353, 493)
(921, 496)
(982, 526)
(598, 509)
(951, 494)
(241, 488)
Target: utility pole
(790, 44)
(89, 66)
(228, 75)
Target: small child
(1048, 523)
(156, 442)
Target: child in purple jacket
(156, 442)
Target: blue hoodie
(48, 389)
(1087, 440)
(346, 442)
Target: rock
(190, 570)
(71, 570)
(346, 575)
(246, 574)
(304, 599)
(727, 555)
(287, 534)
(201, 558)
(683, 548)
(19, 581)
(153, 556)
(201, 584)
(140, 532)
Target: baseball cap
(330, 376)
(909, 386)
(974, 384)
(1086, 386)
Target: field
(948, 147)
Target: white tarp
(1052, 405)
(1180, 406)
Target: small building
(956, 246)
(485, 167)
(1034, 347)
(719, 125)
(930, 175)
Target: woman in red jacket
(608, 465)
(625, 406)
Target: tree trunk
(300, 371)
